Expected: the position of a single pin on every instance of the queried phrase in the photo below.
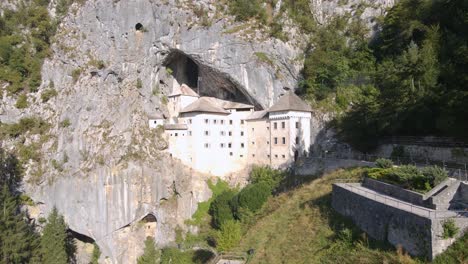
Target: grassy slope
(300, 227)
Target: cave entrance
(149, 223)
(205, 80)
(138, 27)
(82, 247)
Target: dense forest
(409, 80)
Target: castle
(220, 137)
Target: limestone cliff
(113, 64)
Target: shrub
(65, 123)
(228, 236)
(164, 100)
(26, 124)
(96, 254)
(174, 255)
(48, 94)
(76, 74)
(100, 64)
(220, 209)
(450, 229)
(246, 9)
(384, 163)
(250, 198)
(22, 101)
(267, 175)
(435, 174)
(139, 83)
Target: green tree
(55, 242)
(18, 241)
(228, 236)
(150, 254)
(96, 254)
(220, 209)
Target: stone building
(220, 137)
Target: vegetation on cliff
(410, 79)
(19, 240)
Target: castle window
(230, 133)
(221, 145)
(242, 122)
(284, 156)
(284, 140)
(276, 156)
(222, 133)
(268, 142)
(222, 122)
(283, 124)
(297, 140)
(275, 125)
(242, 133)
(297, 124)
(253, 129)
(229, 145)
(276, 140)
(214, 121)
(176, 134)
(268, 156)
(268, 128)
(230, 122)
(242, 145)
(207, 145)
(155, 121)
(253, 143)
(190, 133)
(207, 133)
(253, 155)
(190, 121)
(207, 121)
(230, 153)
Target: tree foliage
(150, 254)
(56, 244)
(25, 38)
(410, 80)
(18, 240)
(228, 236)
(220, 208)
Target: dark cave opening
(205, 80)
(149, 218)
(138, 26)
(81, 237)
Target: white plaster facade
(220, 137)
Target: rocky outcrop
(113, 65)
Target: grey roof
(183, 90)
(175, 127)
(257, 115)
(214, 105)
(290, 102)
(204, 104)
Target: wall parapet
(395, 191)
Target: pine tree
(54, 241)
(17, 238)
(150, 254)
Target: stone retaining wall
(395, 191)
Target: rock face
(113, 65)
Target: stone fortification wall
(395, 191)
(447, 154)
(383, 222)
(315, 165)
(419, 235)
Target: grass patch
(22, 101)
(48, 94)
(263, 57)
(33, 125)
(76, 73)
(300, 226)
